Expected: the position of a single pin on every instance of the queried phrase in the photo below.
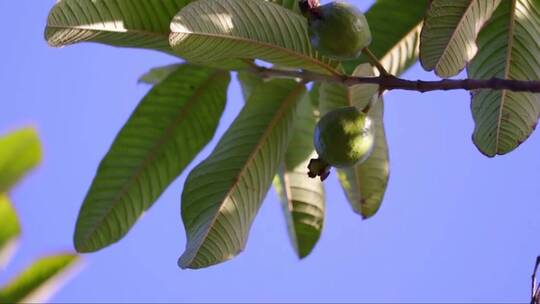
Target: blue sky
(454, 226)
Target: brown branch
(389, 82)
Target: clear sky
(454, 226)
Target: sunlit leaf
(37, 282)
(10, 230)
(365, 183)
(170, 126)
(124, 23)
(448, 39)
(508, 49)
(20, 152)
(223, 193)
(395, 27)
(302, 197)
(206, 32)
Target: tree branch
(390, 82)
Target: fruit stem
(370, 104)
(375, 62)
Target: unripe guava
(344, 137)
(337, 30)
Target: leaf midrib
(458, 28)
(165, 35)
(154, 151)
(304, 57)
(290, 98)
(404, 38)
(510, 44)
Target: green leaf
(206, 31)
(448, 39)
(364, 184)
(170, 126)
(20, 152)
(302, 197)
(39, 281)
(248, 82)
(223, 193)
(157, 75)
(10, 230)
(508, 49)
(124, 23)
(314, 97)
(395, 28)
(290, 4)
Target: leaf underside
(364, 184)
(123, 23)
(175, 120)
(37, 282)
(20, 152)
(209, 31)
(395, 28)
(302, 197)
(508, 49)
(448, 38)
(290, 4)
(223, 193)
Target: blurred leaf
(20, 152)
(170, 126)
(204, 32)
(448, 39)
(39, 280)
(302, 197)
(508, 49)
(124, 23)
(248, 82)
(290, 4)
(10, 230)
(365, 183)
(157, 75)
(314, 95)
(395, 27)
(223, 193)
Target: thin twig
(389, 82)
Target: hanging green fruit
(337, 30)
(342, 138)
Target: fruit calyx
(318, 167)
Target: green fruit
(344, 137)
(338, 30)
